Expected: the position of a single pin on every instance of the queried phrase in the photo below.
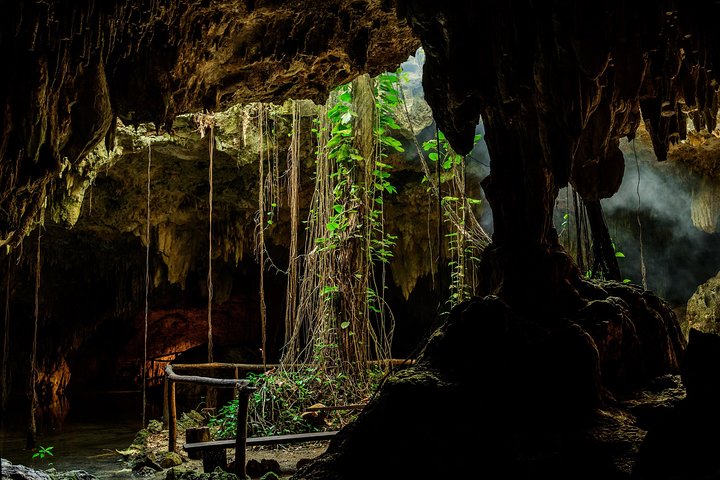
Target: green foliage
(439, 150)
(281, 397)
(43, 452)
(464, 256)
(620, 254)
(564, 224)
(349, 191)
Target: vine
(456, 205)
(342, 320)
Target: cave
(515, 200)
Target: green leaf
(338, 208)
(345, 97)
(332, 226)
(329, 289)
(344, 325)
(394, 143)
(433, 156)
(626, 280)
(619, 255)
(390, 122)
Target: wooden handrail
(256, 441)
(260, 366)
(324, 408)
(243, 389)
(211, 382)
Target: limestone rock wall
(78, 66)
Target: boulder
(703, 308)
(21, 472)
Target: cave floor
(287, 456)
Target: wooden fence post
(241, 433)
(166, 406)
(172, 424)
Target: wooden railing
(243, 389)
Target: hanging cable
(210, 240)
(439, 219)
(293, 193)
(147, 289)
(32, 428)
(6, 338)
(261, 235)
(643, 271)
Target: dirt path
(287, 456)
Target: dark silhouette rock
(260, 468)
(522, 398)
(684, 445)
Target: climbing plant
(342, 320)
(463, 253)
(459, 231)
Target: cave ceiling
(80, 65)
(578, 76)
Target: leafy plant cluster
(350, 188)
(464, 254)
(564, 236)
(347, 216)
(43, 452)
(278, 405)
(618, 254)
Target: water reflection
(96, 426)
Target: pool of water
(97, 426)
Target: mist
(678, 256)
(654, 202)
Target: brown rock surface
(77, 66)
